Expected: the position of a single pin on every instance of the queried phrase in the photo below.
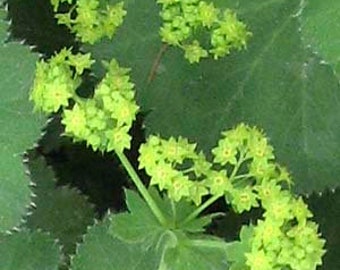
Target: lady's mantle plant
(242, 169)
(185, 21)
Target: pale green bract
(184, 21)
(243, 171)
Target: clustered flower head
(172, 165)
(92, 22)
(56, 80)
(175, 160)
(185, 20)
(242, 171)
(285, 238)
(105, 120)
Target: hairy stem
(141, 188)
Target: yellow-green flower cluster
(286, 238)
(105, 120)
(257, 181)
(244, 172)
(175, 166)
(185, 20)
(92, 22)
(172, 165)
(56, 80)
(247, 157)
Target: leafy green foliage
(3, 25)
(286, 236)
(28, 250)
(175, 249)
(236, 250)
(61, 211)
(319, 21)
(102, 182)
(140, 54)
(196, 254)
(19, 128)
(176, 214)
(34, 22)
(100, 250)
(290, 95)
(140, 225)
(167, 232)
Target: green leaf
(52, 139)
(320, 29)
(236, 250)
(28, 251)
(198, 224)
(163, 202)
(20, 127)
(34, 22)
(137, 226)
(326, 209)
(3, 24)
(100, 250)
(140, 225)
(200, 254)
(140, 34)
(170, 246)
(55, 204)
(177, 212)
(276, 84)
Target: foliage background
(286, 82)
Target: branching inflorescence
(92, 20)
(243, 170)
(185, 22)
(104, 120)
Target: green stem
(212, 199)
(200, 209)
(141, 188)
(208, 243)
(189, 170)
(235, 170)
(174, 212)
(248, 175)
